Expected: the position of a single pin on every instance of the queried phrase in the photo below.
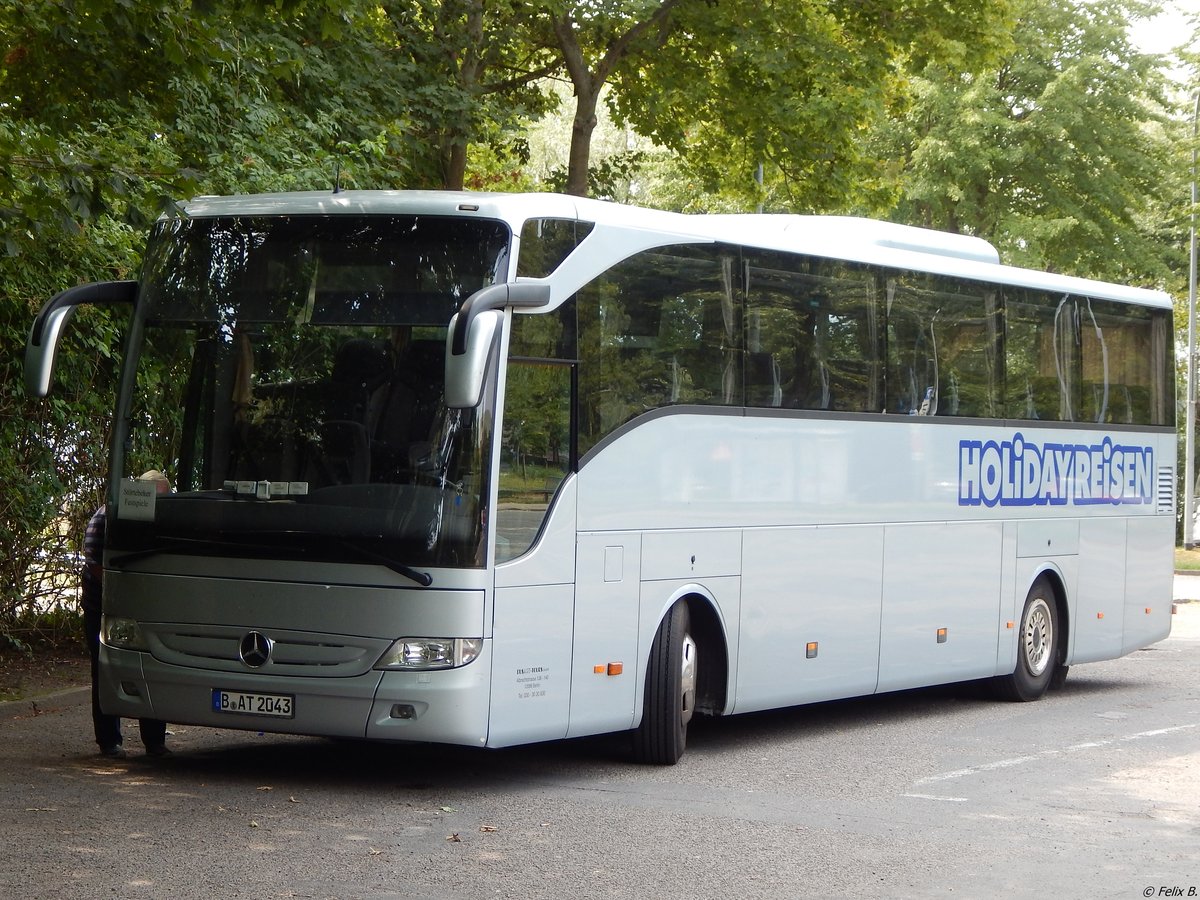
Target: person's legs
(154, 736)
(107, 728)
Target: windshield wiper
(182, 544)
(185, 545)
(119, 562)
(422, 578)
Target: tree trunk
(455, 164)
(589, 81)
(470, 69)
(579, 158)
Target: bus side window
(534, 450)
(1124, 355)
(764, 386)
(943, 346)
(662, 328)
(1041, 357)
(814, 321)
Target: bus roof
(839, 237)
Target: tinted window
(942, 346)
(812, 335)
(545, 243)
(659, 329)
(1126, 363)
(1041, 353)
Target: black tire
(1037, 647)
(1059, 678)
(670, 691)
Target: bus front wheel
(1037, 647)
(670, 695)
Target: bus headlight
(430, 653)
(123, 634)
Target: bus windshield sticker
(137, 500)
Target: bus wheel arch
(686, 672)
(1041, 642)
(1059, 676)
(712, 681)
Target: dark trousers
(108, 728)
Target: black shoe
(158, 750)
(113, 751)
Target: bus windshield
(287, 371)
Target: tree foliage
(792, 87)
(112, 111)
(1054, 144)
(1059, 153)
(729, 85)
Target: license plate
(280, 706)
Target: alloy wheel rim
(687, 681)
(1038, 637)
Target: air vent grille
(1166, 489)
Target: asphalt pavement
(942, 792)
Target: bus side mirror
(471, 332)
(465, 371)
(41, 349)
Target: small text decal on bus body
(1024, 473)
(532, 682)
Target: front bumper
(441, 706)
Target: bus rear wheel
(1037, 647)
(670, 697)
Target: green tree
(1059, 154)
(728, 86)
(595, 41)
(111, 112)
(477, 72)
(74, 188)
(51, 473)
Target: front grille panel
(216, 647)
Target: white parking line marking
(1050, 754)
